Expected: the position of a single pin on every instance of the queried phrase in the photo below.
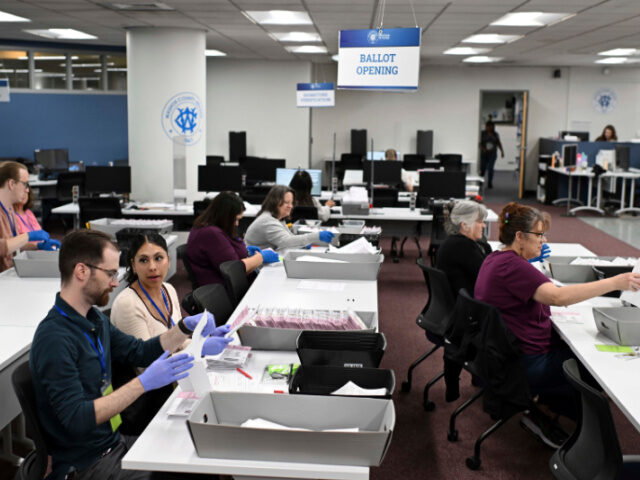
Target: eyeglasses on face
(539, 234)
(26, 184)
(113, 274)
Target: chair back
(593, 451)
(34, 466)
(351, 161)
(199, 206)
(451, 162)
(385, 197)
(301, 212)
(66, 181)
(181, 251)
(215, 299)
(234, 274)
(214, 160)
(436, 314)
(100, 207)
(413, 161)
(438, 233)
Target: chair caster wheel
(452, 435)
(473, 463)
(429, 406)
(406, 387)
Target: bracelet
(183, 328)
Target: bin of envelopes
(325, 380)
(112, 226)
(37, 263)
(567, 270)
(333, 266)
(342, 349)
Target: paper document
(352, 177)
(262, 423)
(183, 404)
(313, 258)
(322, 286)
(632, 297)
(197, 381)
(352, 389)
(361, 245)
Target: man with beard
(70, 363)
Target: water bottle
(334, 184)
(75, 193)
(412, 201)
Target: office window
(116, 72)
(87, 72)
(14, 65)
(50, 70)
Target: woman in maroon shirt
(214, 240)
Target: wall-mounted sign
(379, 59)
(315, 95)
(604, 100)
(182, 117)
(4, 89)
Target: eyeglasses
(26, 184)
(113, 274)
(539, 234)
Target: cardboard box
(359, 266)
(620, 324)
(215, 428)
(265, 338)
(37, 263)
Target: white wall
(258, 97)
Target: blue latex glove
(251, 249)
(269, 256)
(544, 253)
(165, 370)
(214, 345)
(209, 328)
(308, 247)
(49, 245)
(221, 331)
(326, 236)
(38, 236)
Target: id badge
(116, 420)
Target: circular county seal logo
(605, 100)
(182, 118)
(372, 36)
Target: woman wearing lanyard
(26, 220)
(14, 182)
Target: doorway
(507, 109)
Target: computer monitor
(107, 179)
(386, 172)
(583, 136)
(52, 159)
(262, 169)
(623, 154)
(569, 154)
(284, 176)
(121, 162)
(217, 178)
(438, 185)
(375, 155)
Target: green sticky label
(614, 349)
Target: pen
(278, 391)
(244, 373)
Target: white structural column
(166, 82)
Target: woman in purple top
(214, 240)
(523, 295)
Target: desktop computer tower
(424, 143)
(237, 146)
(359, 141)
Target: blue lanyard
(166, 304)
(25, 222)
(99, 352)
(12, 220)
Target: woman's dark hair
(136, 244)
(222, 212)
(516, 217)
(490, 124)
(301, 184)
(603, 138)
(274, 199)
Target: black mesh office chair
(66, 181)
(199, 206)
(214, 160)
(413, 161)
(181, 252)
(433, 319)
(593, 450)
(385, 197)
(234, 274)
(215, 299)
(438, 233)
(451, 162)
(93, 208)
(301, 212)
(35, 464)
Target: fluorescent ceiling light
(482, 59)
(620, 52)
(9, 17)
(491, 38)
(62, 34)
(307, 49)
(531, 19)
(465, 51)
(278, 17)
(297, 37)
(335, 57)
(613, 60)
(214, 53)
(49, 57)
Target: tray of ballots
(352, 382)
(37, 263)
(265, 328)
(620, 324)
(341, 349)
(305, 226)
(114, 225)
(292, 428)
(587, 269)
(333, 265)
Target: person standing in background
(489, 145)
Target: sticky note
(614, 349)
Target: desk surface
(558, 249)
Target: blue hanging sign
(379, 59)
(315, 95)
